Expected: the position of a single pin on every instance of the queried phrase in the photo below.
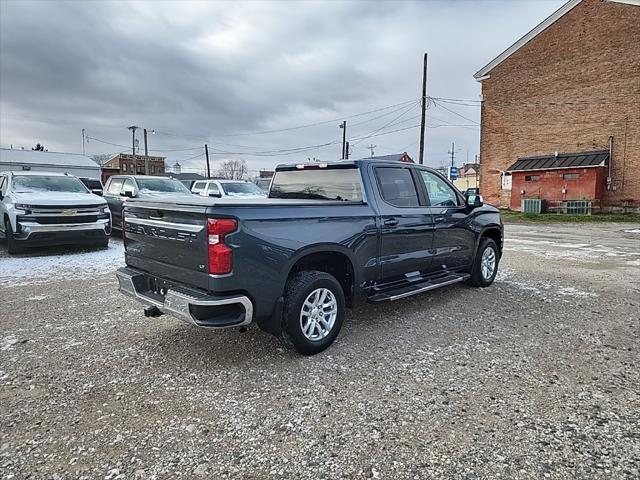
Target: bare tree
(39, 148)
(233, 170)
(101, 158)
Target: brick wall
(568, 90)
(549, 186)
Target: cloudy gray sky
(227, 72)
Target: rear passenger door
(453, 239)
(406, 227)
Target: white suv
(45, 208)
(227, 188)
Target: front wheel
(485, 264)
(314, 309)
(12, 243)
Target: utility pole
(206, 154)
(452, 152)
(83, 141)
(146, 154)
(346, 151)
(371, 147)
(423, 123)
(133, 129)
(343, 126)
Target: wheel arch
(493, 232)
(333, 259)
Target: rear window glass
(318, 184)
(198, 187)
(91, 183)
(241, 189)
(397, 187)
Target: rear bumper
(32, 233)
(194, 307)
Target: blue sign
(453, 173)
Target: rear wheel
(485, 265)
(314, 309)
(12, 244)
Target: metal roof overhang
(598, 158)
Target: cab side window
(115, 185)
(397, 187)
(3, 185)
(440, 192)
(213, 189)
(198, 187)
(128, 186)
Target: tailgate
(167, 240)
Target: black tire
(477, 278)
(102, 244)
(298, 288)
(12, 244)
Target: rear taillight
(220, 255)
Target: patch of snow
(539, 287)
(635, 230)
(634, 263)
(8, 342)
(37, 298)
(41, 268)
(574, 292)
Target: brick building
(123, 163)
(568, 88)
(396, 157)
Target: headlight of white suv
(22, 206)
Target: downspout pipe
(609, 180)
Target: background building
(123, 163)
(467, 177)
(12, 160)
(572, 86)
(396, 157)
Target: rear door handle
(391, 222)
(440, 219)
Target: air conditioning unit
(532, 205)
(577, 207)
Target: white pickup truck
(44, 208)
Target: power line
(456, 113)
(288, 129)
(388, 124)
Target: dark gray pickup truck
(327, 236)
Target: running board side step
(416, 288)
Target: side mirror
(474, 201)
(215, 194)
(127, 193)
(96, 191)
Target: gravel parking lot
(537, 376)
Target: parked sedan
(228, 188)
(121, 187)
